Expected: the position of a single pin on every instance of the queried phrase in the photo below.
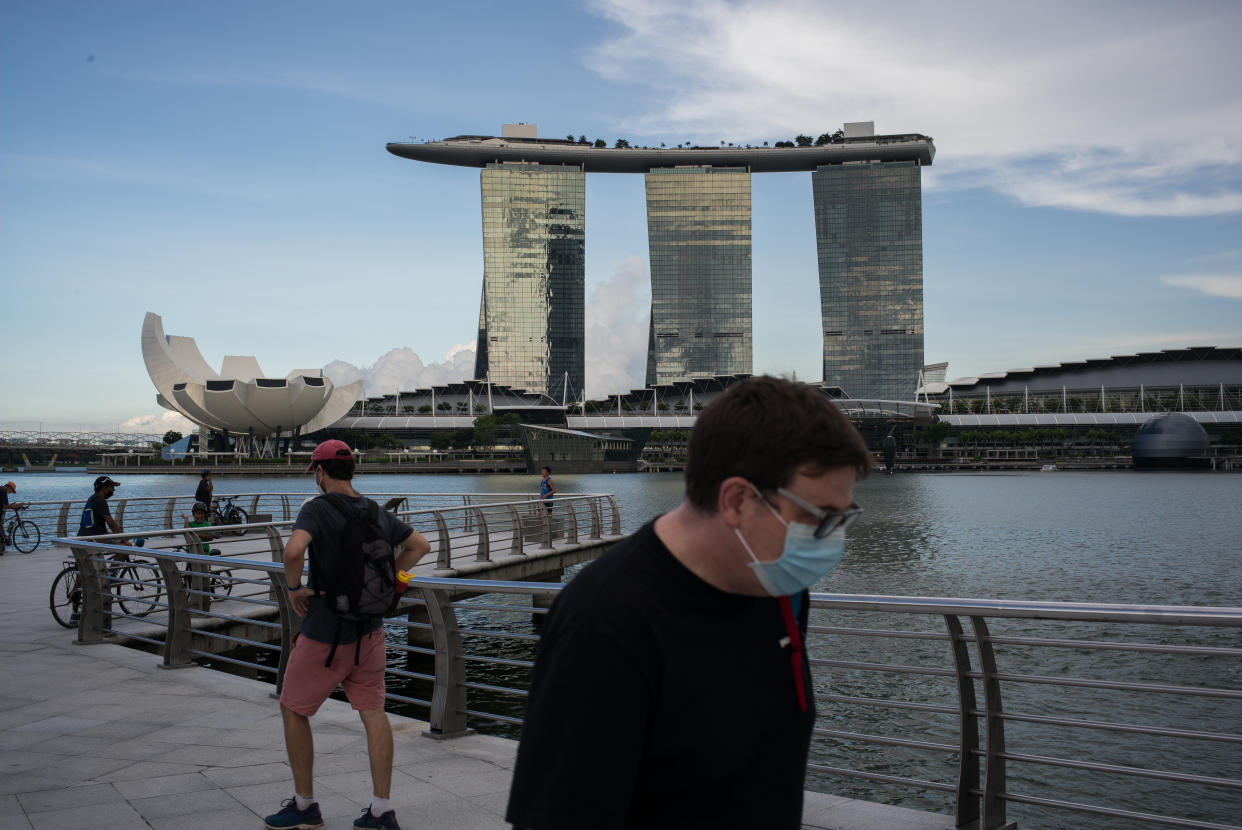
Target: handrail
(989, 675)
(148, 513)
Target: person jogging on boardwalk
(330, 650)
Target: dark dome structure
(1171, 439)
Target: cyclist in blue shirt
(96, 516)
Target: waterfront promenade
(100, 736)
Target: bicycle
(224, 512)
(22, 534)
(220, 581)
(134, 596)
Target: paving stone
(14, 823)
(165, 786)
(183, 804)
(117, 815)
(59, 725)
(81, 796)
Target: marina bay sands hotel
(868, 228)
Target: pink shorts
(308, 682)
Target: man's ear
(732, 498)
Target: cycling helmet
(197, 506)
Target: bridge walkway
(101, 737)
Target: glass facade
(698, 233)
(869, 235)
(531, 313)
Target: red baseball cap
(329, 451)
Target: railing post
(284, 503)
(95, 611)
(545, 528)
(967, 808)
(289, 620)
(168, 513)
(198, 573)
(484, 549)
(448, 696)
(616, 516)
(993, 813)
(517, 547)
(254, 506)
(119, 514)
(596, 524)
(444, 558)
(275, 543)
(177, 639)
(62, 521)
(571, 537)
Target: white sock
(379, 806)
(303, 801)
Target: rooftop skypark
(788, 156)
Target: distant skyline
(224, 167)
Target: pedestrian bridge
(985, 713)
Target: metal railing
(993, 688)
(152, 513)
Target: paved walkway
(101, 737)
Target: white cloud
(1132, 108)
(158, 424)
(617, 316)
(401, 369)
(1214, 285)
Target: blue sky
(223, 165)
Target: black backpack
(361, 584)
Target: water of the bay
(1168, 538)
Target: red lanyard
(795, 649)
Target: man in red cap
(316, 664)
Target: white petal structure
(238, 399)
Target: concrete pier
(101, 737)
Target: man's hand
(301, 599)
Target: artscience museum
(239, 400)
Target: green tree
(440, 439)
(582, 139)
(569, 137)
(172, 436)
(599, 142)
(622, 143)
(444, 406)
(803, 140)
(425, 408)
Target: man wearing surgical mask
(671, 688)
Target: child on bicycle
(200, 520)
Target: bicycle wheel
(222, 583)
(137, 598)
(66, 598)
(237, 516)
(26, 536)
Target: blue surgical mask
(804, 561)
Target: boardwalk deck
(100, 737)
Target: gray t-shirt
(326, 524)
